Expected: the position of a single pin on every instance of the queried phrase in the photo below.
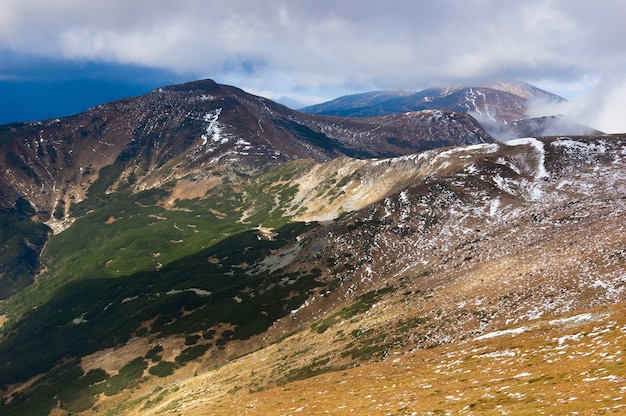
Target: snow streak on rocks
(509, 231)
(538, 146)
(213, 129)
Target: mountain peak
(495, 105)
(199, 85)
(524, 90)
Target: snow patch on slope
(213, 130)
(538, 146)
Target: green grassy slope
(20, 242)
(130, 268)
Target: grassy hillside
(21, 239)
(557, 365)
(129, 268)
(440, 281)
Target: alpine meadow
(200, 250)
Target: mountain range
(502, 108)
(188, 138)
(200, 250)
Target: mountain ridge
(500, 107)
(508, 106)
(184, 137)
(223, 249)
(203, 121)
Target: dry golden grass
(548, 366)
(188, 189)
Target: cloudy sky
(61, 56)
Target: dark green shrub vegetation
(127, 378)
(408, 324)
(191, 353)
(102, 285)
(114, 308)
(250, 328)
(78, 395)
(210, 334)
(21, 239)
(66, 385)
(318, 366)
(152, 354)
(192, 339)
(362, 304)
(364, 353)
(163, 369)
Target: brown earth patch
(188, 189)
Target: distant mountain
(495, 106)
(543, 126)
(366, 104)
(199, 126)
(502, 101)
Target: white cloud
(604, 106)
(330, 45)
(601, 105)
(290, 100)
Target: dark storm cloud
(36, 88)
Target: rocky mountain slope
(193, 276)
(494, 283)
(187, 139)
(502, 107)
(180, 130)
(450, 251)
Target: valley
(264, 261)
